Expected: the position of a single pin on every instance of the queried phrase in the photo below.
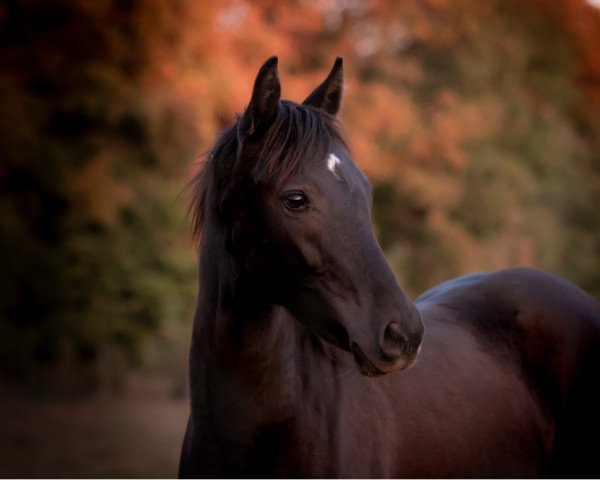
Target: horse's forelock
(299, 134)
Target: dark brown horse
(301, 322)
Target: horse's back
(550, 329)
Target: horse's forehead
(340, 166)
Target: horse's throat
(247, 378)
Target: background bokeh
(478, 122)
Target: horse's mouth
(365, 365)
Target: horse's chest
(442, 430)
(338, 439)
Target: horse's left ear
(328, 95)
(265, 99)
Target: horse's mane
(299, 134)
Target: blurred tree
(477, 121)
(92, 168)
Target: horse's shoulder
(523, 313)
(518, 295)
(473, 302)
(545, 324)
(544, 302)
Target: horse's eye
(295, 201)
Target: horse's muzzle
(396, 350)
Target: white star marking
(332, 163)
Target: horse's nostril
(393, 341)
(393, 333)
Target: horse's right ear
(264, 102)
(328, 95)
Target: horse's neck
(253, 369)
(243, 357)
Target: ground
(136, 434)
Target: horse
(307, 359)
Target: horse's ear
(265, 99)
(328, 95)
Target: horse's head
(295, 213)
